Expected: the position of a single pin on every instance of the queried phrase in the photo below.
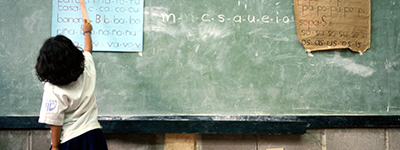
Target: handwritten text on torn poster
(333, 24)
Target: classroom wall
(386, 33)
(314, 139)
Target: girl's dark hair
(59, 62)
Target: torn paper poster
(334, 24)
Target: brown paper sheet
(333, 24)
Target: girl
(69, 105)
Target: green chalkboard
(213, 57)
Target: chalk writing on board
(171, 17)
(117, 24)
(262, 17)
(333, 24)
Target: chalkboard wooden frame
(216, 125)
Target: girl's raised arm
(87, 32)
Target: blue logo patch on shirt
(50, 105)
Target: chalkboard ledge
(216, 124)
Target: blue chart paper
(117, 24)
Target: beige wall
(314, 139)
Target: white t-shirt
(72, 106)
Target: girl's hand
(88, 38)
(86, 25)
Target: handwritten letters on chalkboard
(263, 18)
(333, 24)
(221, 18)
(117, 24)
